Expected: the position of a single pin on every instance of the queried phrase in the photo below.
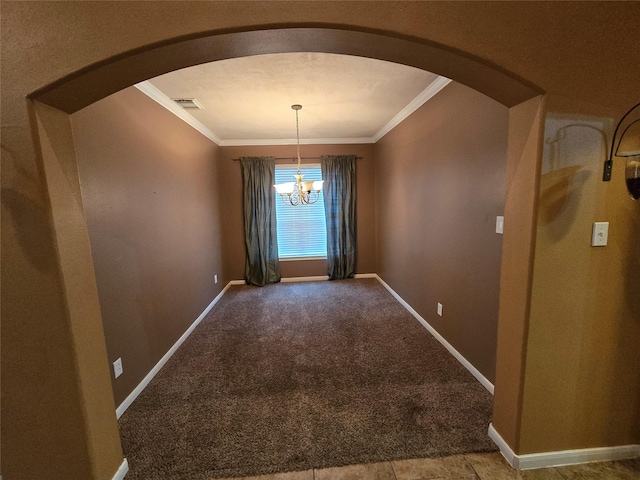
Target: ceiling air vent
(188, 103)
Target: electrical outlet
(440, 309)
(215, 278)
(117, 368)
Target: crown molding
(422, 98)
(292, 141)
(153, 93)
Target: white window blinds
(302, 230)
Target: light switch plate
(500, 224)
(600, 234)
(117, 368)
(440, 309)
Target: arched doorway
(97, 81)
(55, 102)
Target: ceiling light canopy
(299, 192)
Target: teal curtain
(339, 192)
(261, 265)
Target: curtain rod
(293, 159)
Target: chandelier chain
(298, 141)
(299, 192)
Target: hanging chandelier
(299, 192)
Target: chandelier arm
(295, 197)
(286, 199)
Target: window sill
(300, 259)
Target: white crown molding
(153, 93)
(564, 457)
(422, 98)
(292, 141)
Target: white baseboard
(564, 457)
(317, 278)
(142, 385)
(474, 371)
(508, 454)
(320, 278)
(122, 471)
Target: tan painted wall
(149, 186)
(523, 173)
(582, 386)
(440, 183)
(40, 380)
(584, 54)
(233, 217)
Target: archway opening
(94, 82)
(98, 81)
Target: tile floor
(477, 466)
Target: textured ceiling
(248, 100)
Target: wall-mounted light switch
(215, 278)
(440, 309)
(599, 234)
(499, 224)
(117, 368)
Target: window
(302, 230)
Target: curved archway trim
(97, 81)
